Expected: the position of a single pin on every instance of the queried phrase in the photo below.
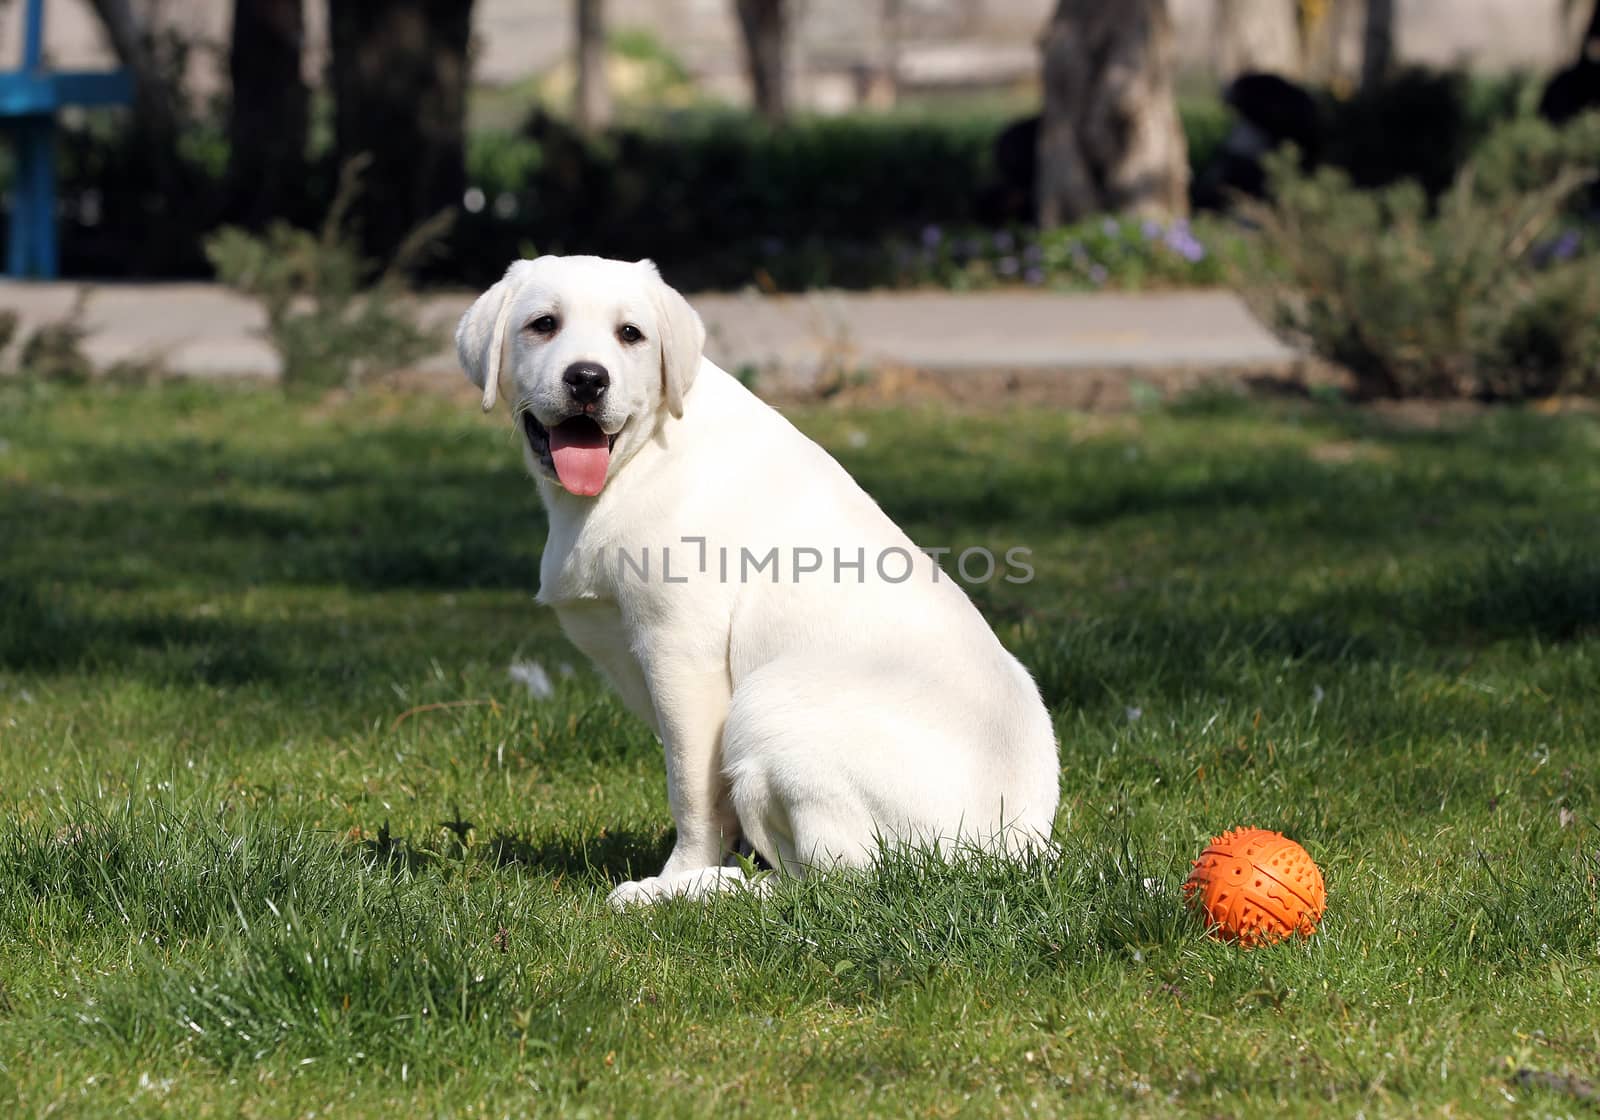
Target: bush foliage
(1492, 293)
(331, 316)
(715, 197)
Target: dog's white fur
(816, 716)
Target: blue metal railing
(29, 100)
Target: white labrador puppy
(817, 683)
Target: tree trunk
(267, 119)
(1324, 29)
(1109, 137)
(1590, 49)
(122, 28)
(1377, 43)
(398, 71)
(886, 93)
(764, 26)
(154, 100)
(592, 97)
(1257, 36)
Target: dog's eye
(629, 333)
(544, 324)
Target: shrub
(1484, 295)
(720, 199)
(1528, 154)
(53, 350)
(1206, 122)
(329, 318)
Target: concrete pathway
(978, 342)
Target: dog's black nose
(586, 381)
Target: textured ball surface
(1256, 887)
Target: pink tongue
(582, 453)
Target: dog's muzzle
(577, 451)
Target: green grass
(225, 888)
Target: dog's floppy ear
(683, 338)
(482, 332)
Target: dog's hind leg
(824, 772)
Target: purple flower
(1110, 227)
(1033, 254)
(1098, 274)
(931, 236)
(1004, 242)
(1185, 244)
(1033, 276)
(973, 246)
(1150, 230)
(1559, 251)
(1006, 266)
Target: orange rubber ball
(1256, 887)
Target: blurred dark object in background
(1009, 197)
(1577, 88)
(1269, 112)
(1573, 91)
(1419, 124)
(1413, 126)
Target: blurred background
(1401, 188)
(781, 143)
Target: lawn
(282, 834)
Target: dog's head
(592, 355)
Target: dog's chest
(574, 566)
(612, 549)
(595, 626)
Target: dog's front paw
(640, 892)
(695, 884)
